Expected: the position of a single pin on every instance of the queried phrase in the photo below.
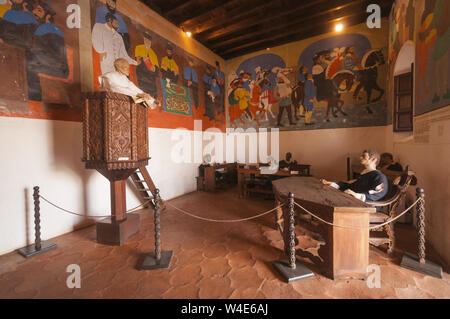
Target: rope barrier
(224, 220)
(243, 219)
(77, 214)
(359, 228)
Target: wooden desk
(303, 170)
(346, 251)
(210, 174)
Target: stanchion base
(30, 250)
(299, 273)
(412, 262)
(150, 261)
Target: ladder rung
(139, 180)
(144, 189)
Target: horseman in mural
(368, 76)
(328, 84)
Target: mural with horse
(331, 86)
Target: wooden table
(304, 170)
(210, 174)
(345, 253)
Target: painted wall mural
(187, 88)
(40, 50)
(426, 23)
(433, 56)
(338, 81)
(40, 61)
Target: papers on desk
(220, 169)
(268, 170)
(294, 172)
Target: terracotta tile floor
(211, 260)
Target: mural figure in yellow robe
(148, 67)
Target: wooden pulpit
(115, 143)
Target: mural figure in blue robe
(220, 78)
(47, 54)
(310, 95)
(18, 24)
(190, 79)
(212, 91)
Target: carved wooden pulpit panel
(115, 143)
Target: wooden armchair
(397, 191)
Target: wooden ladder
(144, 184)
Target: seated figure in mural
(169, 68)
(190, 79)
(117, 81)
(110, 7)
(47, 54)
(372, 185)
(109, 43)
(18, 24)
(148, 67)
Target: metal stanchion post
(419, 263)
(158, 259)
(38, 246)
(292, 269)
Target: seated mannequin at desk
(287, 163)
(372, 185)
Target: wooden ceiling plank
(350, 20)
(276, 26)
(206, 14)
(251, 20)
(233, 16)
(267, 39)
(178, 8)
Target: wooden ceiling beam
(178, 8)
(305, 31)
(310, 31)
(205, 14)
(254, 18)
(279, 26)
(229, 13)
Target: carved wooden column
(115, 143)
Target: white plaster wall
(48, 154)
(430, 161)
(327, 150)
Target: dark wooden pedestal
(114, 233)
(116, 229)
(115, 143)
